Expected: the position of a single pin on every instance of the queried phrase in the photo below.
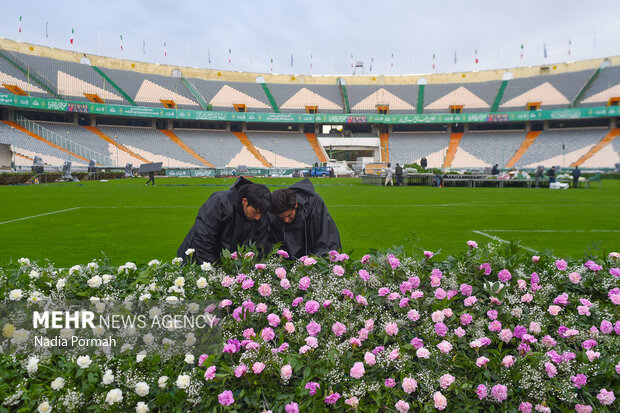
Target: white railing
(63, 142)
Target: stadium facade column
(613, 123)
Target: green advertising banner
(186, 114)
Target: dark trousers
(399, 180)
(575, 182)
(151, 179)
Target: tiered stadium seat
(217, 147)
(365, 98)
(554, 91)
(222, 95)
(474, 96)
(149, 89)
(10, 75)
(72, 80)
(490, 147)
(151, 144)
(412, 146)
(290, 149)
(605, 87)
(293, 98)
(31, 147)
(548, 150)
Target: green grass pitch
(73, 223)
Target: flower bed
(488, 330)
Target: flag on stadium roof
(121, 42)
(392, 63)
(455, 57)
(291, 59)
(476, 56)
(569, 44)
(143, 46)
(433, 61)
(371, 60)
(46, 36)
(545, 50)
(165, 50)
(20, 24)
(209, 55)
(522, 47)
(229, 56)
(71, 39)
(310, 61)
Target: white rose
(189, 358)
(201, 282)
(114, 396)
(66, 333)
(95, 282)
(180, 281)
(162, 382)
(34, 274)
(142, 389)
(98, 331)
(23, 261)
(167, 342)
(206, 266)
(58, 384)
(15, 295)
(94, 300)
(148, 339)
(177, 260)
(44, 407)
(108, 377)
(75, 268)
(141, 356)
(33, 365)
(193, 308)
(172, 299)
(20, 336)
(106, 278)
(190, 339)
(84, 361)
(92, 266)
(189, 252)
(141, 407)
(60, 284)
(154, 312)
(145, 296)
(154, 263)
(183, 381)
(100, 306)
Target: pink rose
(264, 290)
(574, 277)
(313, 328)
(370, 358)
(535, 258)
(504, 275)
(554, 309)
(289, 327)
(440, 401)
(285, 283)
(444, 347)
(409, 385)
(304, 283)
(226, 397)
(508, 361)
(606, 397)
(260, 267)
(422, 353)
(364, 275)
(357, 371)
(428, 254)
(469, 301)
(440, 294)
(338, 270)
(339, 329)
(472, 244)
(391, 329)
(283, 254)
(312, 307)
(258, 367)
(481, 361)
(446, 380)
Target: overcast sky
(256, 31)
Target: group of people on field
(248, 214)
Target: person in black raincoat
(228, 219)
(300, 221)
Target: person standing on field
(388, 175)
(576, 174)
(399, 174)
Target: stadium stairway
(243, 138)
(609, 138)
(37, 137)
(455, 139)
(384, 138)
(174, 138)
(272, 101)
(318, 150)
(527, 142)
(113, 142)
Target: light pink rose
(357, 371)
(264, 290)
(286, 372)
(446, 380)
(409, 385)
(508, 361)
(391, 329)
(258, 367)
(370, 358)
(440, 401)
(445, 347)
